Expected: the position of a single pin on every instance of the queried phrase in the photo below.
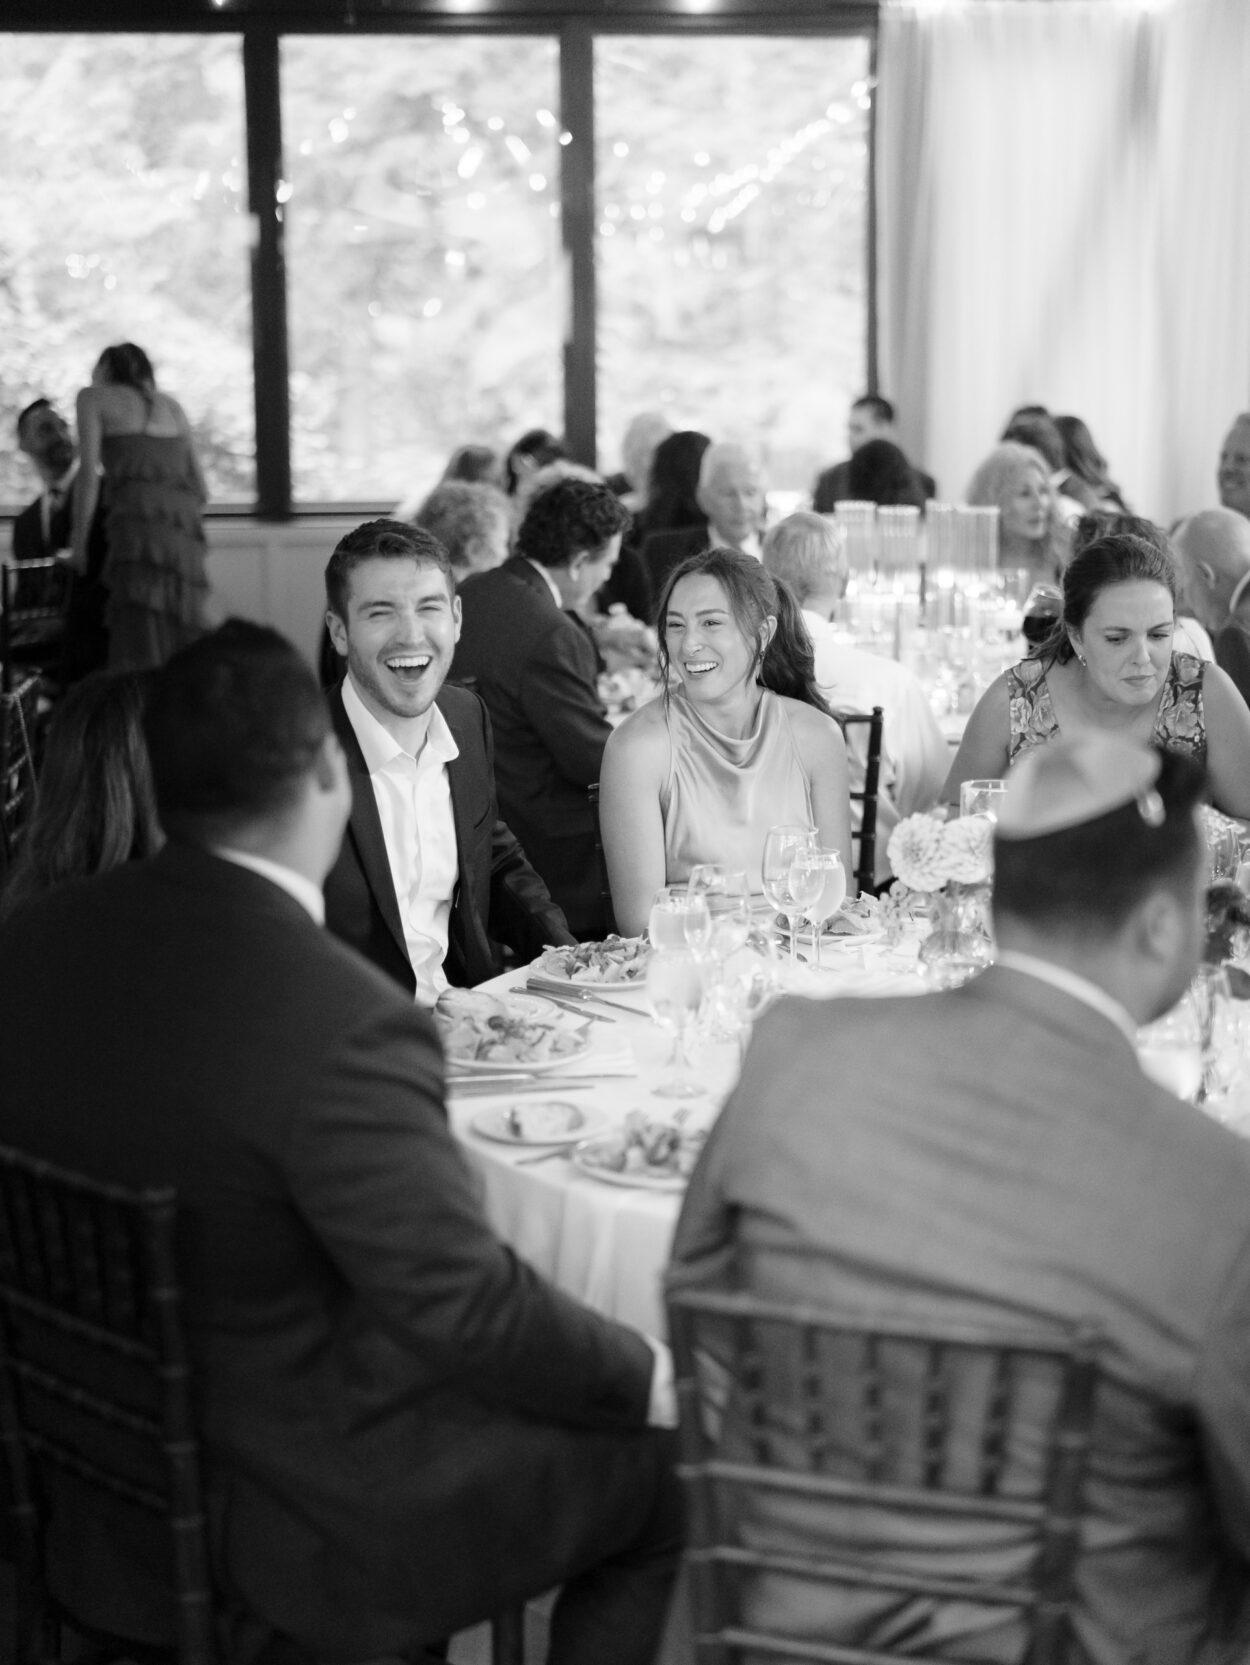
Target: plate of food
(614, 963)
(646, 1152)
(543, 1121)
(856, 922)
(482, 1031)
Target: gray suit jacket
(994, 1154)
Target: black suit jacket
(536, 667)
(499, 898)
(86, 636)
(833, 486)
(392, 1405)
(663, 553)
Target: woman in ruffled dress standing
(135, 443)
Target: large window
(423, 254)
(123, 198)
(731, 213)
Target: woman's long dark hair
(673, 484)
(129, 366)
(787, 664)
(95, 807)
(1119, 558)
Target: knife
(567, 1004)
(479, 1086)
(539, 985)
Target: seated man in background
(390, 1402)
(1214, 552)
(429, 879)
(471, 521)
(1234, 469)
(993, 1157)
(870, 417)
(732, 494)
(810, 556)
(525, 649)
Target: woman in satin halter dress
(139, 439)
(739, 741)
(1109, 666)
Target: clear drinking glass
(819, 885)
(674, 988)
(728, 899)
(981, 797)
(782, 845)
(672, 908)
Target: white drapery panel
(1045, 236)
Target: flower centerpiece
(943, 870)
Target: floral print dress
(1179, 725)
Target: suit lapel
(365, 827)
(457, 772)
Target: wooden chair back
(94, 1379)
(864, 837)
(19, 728)
(856, 1463)
(34, 610)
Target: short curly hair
(568, 519)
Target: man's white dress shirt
(915, 758)
(413, 795)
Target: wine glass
(982, 797)
(674, 987)
(728, 898)
(783, 843)
(819, 885)
(672, 908)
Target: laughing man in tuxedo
(405, 1428)
(429, 879)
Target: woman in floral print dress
(1108, 666)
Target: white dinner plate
(536, 1010)
(543, 1121)
(588, 1157)
(548, 965)
(861, 939)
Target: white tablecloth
(609, 1244)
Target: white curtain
(1045, 235)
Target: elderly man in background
(810, 556)
(1233, 476)
(1214, 551)
(994, 1157)
(525, 649)
(732, 494)
(471, 520)
(642, 435)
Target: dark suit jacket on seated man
(404, 1427)
(429, 879)
(536, 665)
(995, 1155)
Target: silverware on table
(541, 1156)
(539, 985)
(567, 1004)
(477, 1086)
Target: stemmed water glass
(674, 980)
(782, 845)
(818, 883)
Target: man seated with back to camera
(404, 1427)
(994, 1156)
(429, 880)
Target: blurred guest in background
(672, 501)
(808, 554)
(645, 431)
(879, 472)
(1234, 469)
(1071, 1189)
(870, 418)
(1214, 552)
(429, 879)
(471, 520)
(1109, 668)
(477, 464)
(95, 807)
(731, 493)
(140, 440)
(740, 739)
(1086, 465)
(45, 528)
(1036, 427)
(1031, 535)
(535, 448)
(524, 649)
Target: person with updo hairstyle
(739, 740)
(1031, 534)
(1108, 666)
(879, 472)
(96, 807)
(139, 439)
(534, 450)
(1085, 463)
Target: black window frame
(263, 23)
